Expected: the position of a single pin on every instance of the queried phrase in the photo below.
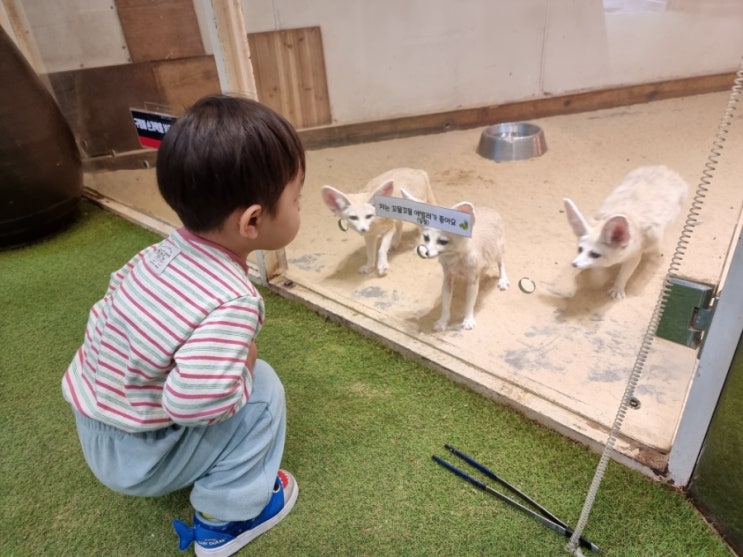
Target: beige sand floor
(563, 353)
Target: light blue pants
(232, 465)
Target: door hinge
(687, 312)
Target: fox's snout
(581, 262)
(360, 227)
(431, 252)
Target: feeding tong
(543, 516)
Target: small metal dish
(512, 141)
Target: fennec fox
(466, 258)
(631, 221)
(357, 209)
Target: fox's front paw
(503, 283)
(382, 269)
(616, 293)
(365, 269)
(468, 324)
(440, 325)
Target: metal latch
(687, 312)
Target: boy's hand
(252, 356)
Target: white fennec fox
(631, 221)
(357, 209)
(466, 258)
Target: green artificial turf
(363, 423)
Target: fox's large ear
(615, 232)
(335, 200)
(407, 195)
(385, 190)
(577, 222)
(466, 207)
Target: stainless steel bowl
(512, 141)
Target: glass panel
(717, 484)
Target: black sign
(151, 126)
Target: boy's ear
(249, 220)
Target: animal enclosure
(561, 355)
(629, 90)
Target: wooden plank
(149, 222)
(96, 101)
(182, 82)
(131, 160)
(266, 69)
(14, 21)
(75, 35)
(96, 104)
(289, 68)
(330, 136)
(312, 78)
(283, 48)
(162, 30)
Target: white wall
(390, 58)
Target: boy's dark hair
(223, 154)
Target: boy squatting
(166, 389)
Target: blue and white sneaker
(223, 540)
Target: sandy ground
(563, 353)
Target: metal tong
(543, 515)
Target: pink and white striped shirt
(169, 341)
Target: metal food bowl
(512, 141)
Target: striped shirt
(169, 341)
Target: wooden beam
(346, 134)
(231, 51)
(330, 136)
(13, 20)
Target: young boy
(167, 390)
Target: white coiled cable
(642, 355)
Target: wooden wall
(170, 69)
(96, 101)
(289, 69)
